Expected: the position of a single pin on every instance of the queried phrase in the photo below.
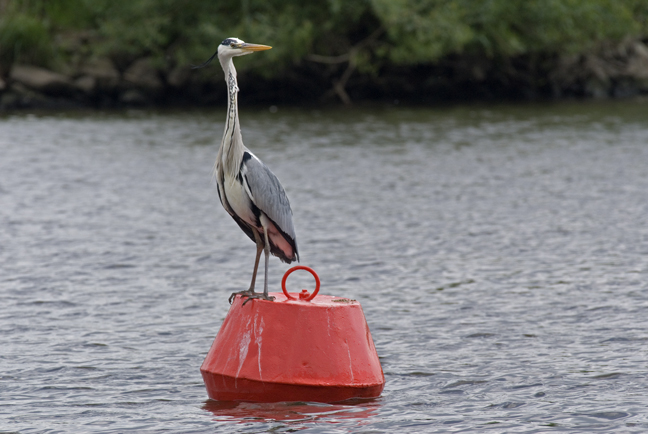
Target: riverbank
(613, 71)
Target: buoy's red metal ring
(300, 267)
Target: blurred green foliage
(182, 32)
(26, 39)
(426, 30)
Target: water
(500, 255)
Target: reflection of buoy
(293, 349)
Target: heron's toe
(246, 293)
(258, 297)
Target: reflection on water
(356, 412)
(499, 254)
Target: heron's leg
(250, 291)
(265, 295)
(267, 258)
(256, 265)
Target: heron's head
(232, 47)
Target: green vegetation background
(369, 35)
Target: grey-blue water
(500, 255)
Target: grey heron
(247, 189)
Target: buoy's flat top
(319, 300)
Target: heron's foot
(246, 293)
(260, 296)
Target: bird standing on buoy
(247, 189)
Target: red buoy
(296, 348)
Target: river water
(500, 255)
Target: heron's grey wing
(268, 194)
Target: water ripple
(500, 256)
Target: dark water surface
(500, 255)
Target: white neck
(231, 150)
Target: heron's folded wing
(268, 194)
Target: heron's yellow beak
(254, 47)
